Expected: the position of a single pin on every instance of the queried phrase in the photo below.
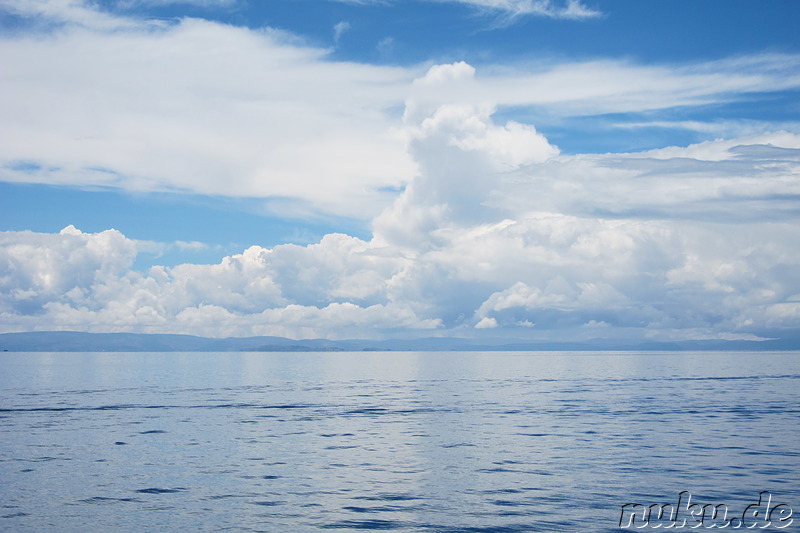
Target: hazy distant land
(73, 341)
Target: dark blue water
(422, 442)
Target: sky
(557, 170)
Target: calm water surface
(412, 442)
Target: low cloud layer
(497, 234)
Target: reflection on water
(440, 442)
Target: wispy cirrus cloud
(511, 9)
(339, 29)
(569, 9)
(200, 3)
(72, 12)
(718, 128)
(596, 87)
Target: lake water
(411, 442)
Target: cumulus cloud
(485, 239)
(458, 149)
(74, 280)
(39, 268)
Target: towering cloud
(497, 232)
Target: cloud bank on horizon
(480, 223)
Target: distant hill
(74, 341)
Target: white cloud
(39, 268)
(82, 281)
(457, 149)
(201, 3)
(486, 323)
(385, 46)
(586, 88)
(568, 9)
(339, 29)
(75, 12)
(200, 107)
(495, 228)
(498, 240)
(745, 179)
(207, 108)
(571, 9)
(719, 129)
(190, 245)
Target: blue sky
(520, 168)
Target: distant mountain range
(73, 341)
